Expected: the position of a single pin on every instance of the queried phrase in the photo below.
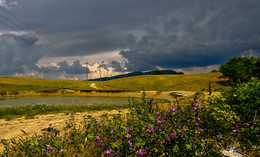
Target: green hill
(194, 82)
(35, 84)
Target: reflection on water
(64, 100)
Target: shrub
(2, 93)
(14, 92)
(245, 101)
(235, 109)
(214, 70)
(217, 116)
(179, 73)
(240, 69)
(158, 72)
(200, 94)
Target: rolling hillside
(131, 74)
(35, 84)
(195, 82)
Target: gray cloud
(63, 67)
(197, 34)
(18, 53)
(150, 33)
(75, 68)
(116, 65)
(103, 65)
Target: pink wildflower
(141, 152)
(130, 143)
(128, 136)
(150, 129)
(108, 151)
(159, 120)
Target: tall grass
(35, 84)
(194, 82)
(29, 111)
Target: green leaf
(89, 136)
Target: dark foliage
(241, 69)
(158, 72)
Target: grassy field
(195, 82)
(34, 84)
(29, 111)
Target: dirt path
(12, 129)
(93, 85)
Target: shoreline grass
(29, 111)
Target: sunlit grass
(29, 111)
(34, 84)
(194, 82)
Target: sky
(55, 38)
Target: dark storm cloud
(82, 27)
(75, 68)
(103, 65)
(196, 34)
(17, 53)
(152, 33)
(63, 67)
(116, 65)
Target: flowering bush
(239, 108)
(144, 131)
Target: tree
(179, 73)
(214, 70)
(158, 72)
(240, 69)
(257, 69)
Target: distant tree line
(160, 72)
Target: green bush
(200, 94)
(217, 116)
(214, 70)
(240, 69)
(237, 108)
(14, 92)
(2, 93)
(245, 100)
(158, 72)
(179, 73)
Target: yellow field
(194, 82)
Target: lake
(63, 100)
